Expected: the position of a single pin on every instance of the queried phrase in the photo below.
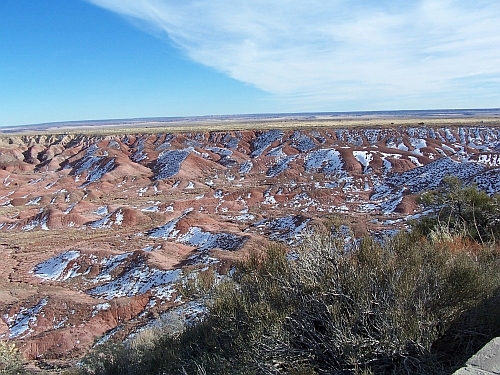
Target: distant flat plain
(477, 117)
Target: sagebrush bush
(11, 361)
(337, 308)
(460, 210)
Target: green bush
(462, 211)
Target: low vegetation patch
(419, 303)
(11, 361)
(462, 212)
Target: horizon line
(458, 112)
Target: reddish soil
(91, 198)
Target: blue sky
(63, 60)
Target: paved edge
(484, 362)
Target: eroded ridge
(99, 232)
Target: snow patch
(56, 268)
(326, 160)
(137, 279)
(23, 321)
(206, 241)
(264, 140)
(167, 230)
(168, 163)
(246, 167)
(114, 218)
(285, 229)
(280, 166)
(364, 158)
(100, 307)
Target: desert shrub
(72, 371)
(331, 309)
(11, 361)
(462, 211)
(198, 284)
(109, 358)
(380, 308)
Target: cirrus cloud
(352, 54)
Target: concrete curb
(484, 362)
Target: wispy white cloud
(340, 53)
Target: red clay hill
(98, 232)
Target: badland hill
(99, 232)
